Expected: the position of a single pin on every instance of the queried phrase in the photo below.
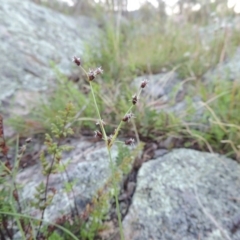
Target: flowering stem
(120, 124)
(98, 113)
(116, 195)
(110, 159)
(110, 140)
(111, 163)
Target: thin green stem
(111, 163)
(116, 194)
(65, 230)
(50, 172)
(14, 187)
(110, 158)
(109, 145)
(120, 124)
(98, 113)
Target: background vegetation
(190, 42)
(150, 41)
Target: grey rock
(185, 195)
(160, 152)
(227, 70)
(159, 85)
(218, 26)
(32, 37)
(88, 168)
(167, 93)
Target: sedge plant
(111, 139)
(12, 209)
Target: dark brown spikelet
(127, 117)
(130, 141)
(98, 134)
(15, 195)
(98, 71)
(144, 83)
(28, 140)
(77, 61)
(91, 75)
(134, 99)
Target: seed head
(98, 71)
(144, 83)
(130, 141)
(15, 195)
(98, 134)
(127, 117)
(91, 75)
(28, 140)
(76, 60)
(134, 99)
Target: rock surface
(31, 38)
(88, 168)
(227, 70)
(185, 195)
(167, 93)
